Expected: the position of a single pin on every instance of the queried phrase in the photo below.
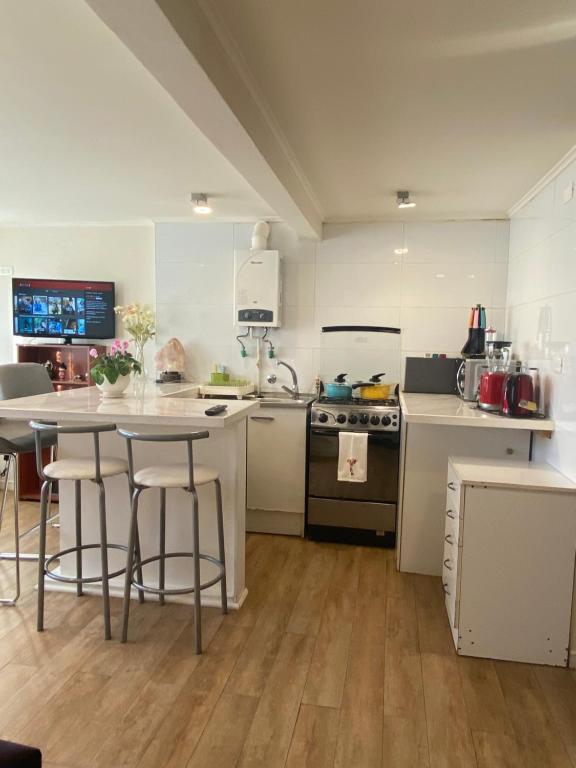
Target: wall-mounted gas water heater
(258, 284)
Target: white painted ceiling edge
(555, 171)
(144, 28)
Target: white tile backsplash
(457, 242)
(353, 277)
(452, 285)
(360, 243)
(299, 280)
(374, 285)
(541, 309)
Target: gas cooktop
(357, 401)
(356, 415)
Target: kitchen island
(158, 409)
(435, 427)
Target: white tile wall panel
(457, 242)
(347, 285)
(542, 309)
(352, 277)
(360, 243)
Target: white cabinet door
(277, 459)
(517, 574)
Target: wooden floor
(334, 660)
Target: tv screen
(68, 309)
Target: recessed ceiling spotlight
(200, 203)
(400, 251)
(403, 200)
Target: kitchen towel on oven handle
(353, 457)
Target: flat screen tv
(64, 309)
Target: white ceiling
(87, 134)
(467, 104)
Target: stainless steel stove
(353, 512)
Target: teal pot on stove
(338, 389)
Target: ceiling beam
(178, 45)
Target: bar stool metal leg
(138, 554)
(221, 550)
(162, 560)
(196, 558)
(78, 514)
(104, 560)
(130, 564)
(11, 463)
(42, 552)
(137, 550)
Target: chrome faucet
(294, 389)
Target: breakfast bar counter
(159, 409)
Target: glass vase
(140, 378)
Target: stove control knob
(386, 421)
(364, 418)
(322, 418)
(341, 418)
(375, 420)
(352, 419)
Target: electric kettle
(518, 395)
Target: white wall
(122, 254)
(541, 318)
(352, 277)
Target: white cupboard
(276, 477)
(508, 563)
(424, 455)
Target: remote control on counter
(215, 410)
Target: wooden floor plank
(307, 613)
(325, 683)
(222, 741)
(497, 750)
(531, 718)
(361, 716)
(259, 654)
(403, 686)
(269, 738)
(449, 735)
(314, 741)
(485, 704)
(405, 743)
(402, 624)
(177, 735)
(560, 692)
(434, 634)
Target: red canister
(491, 389)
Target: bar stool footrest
(183, 590)
(84, 579)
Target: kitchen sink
(281, 399)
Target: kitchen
(410, 638)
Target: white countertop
(452, 411)
(503, 473)
(156, 406)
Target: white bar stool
(94, 468)
(188, 477)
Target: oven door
(383, 459)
